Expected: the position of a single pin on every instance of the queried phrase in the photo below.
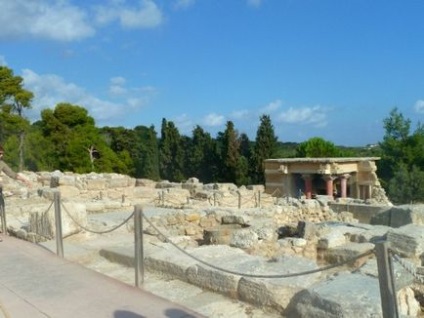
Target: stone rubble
(257, 234)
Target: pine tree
(265, 147)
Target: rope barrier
(256, 275)
(94, 231)
(410, 268)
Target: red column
(329, 184)
(308, 185)
(343, 184)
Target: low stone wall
(362, 212)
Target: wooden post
(138, 245)
(386, 280)
(58, 222)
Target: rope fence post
(239, 199)
(259, 199)
(138, 244)
(58, 221)
(386, 280)
(3, 213)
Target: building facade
(308, 177)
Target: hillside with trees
(66, 138)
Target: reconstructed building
(339, 177)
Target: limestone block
(348, 251)
(243, 238)
(407, 240)
(340, 296)
(145, 183)
(170, 262)
(276, 293)
(42, 219)
(96, 184)
(336, 234)
(374, 234)
(146, 192)
(119, 181)
(68, 191)
(235, 219)
(192, 217)
(400, 215)
(112, 205)
(331, 240)
(265, 232)
(306, 230)
(223, 257)
(66, 180)
(95, 207)
(402, 277)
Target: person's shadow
(170, 313)
(178, 313)
(126, 314)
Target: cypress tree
(265, 147)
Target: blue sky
(333, 69)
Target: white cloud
(116, 86)
(240, 114)
(419, 106)
(315, 116)
(146, 15)
(50, 89)
(271, 107)
(254, 3)
(213, 120)
(3, 61)
(55, 20)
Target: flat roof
(322, 160)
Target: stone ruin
(250, 231)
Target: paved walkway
(36, 283)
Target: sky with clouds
(333, 69)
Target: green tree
(202, 157)
(148, 165)
(397, 130)
(265, 147)
(171, 153)
(317, 147)
(230, 153)
(407, 185)
(13, 100)
(72, 133)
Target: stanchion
(3, 213)
(58, 219)
(138, 244)
(386, 280)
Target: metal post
(138, 245)
(386, 280)
(3, 213)
(259, 199)
(58, 219)
(239, 199)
